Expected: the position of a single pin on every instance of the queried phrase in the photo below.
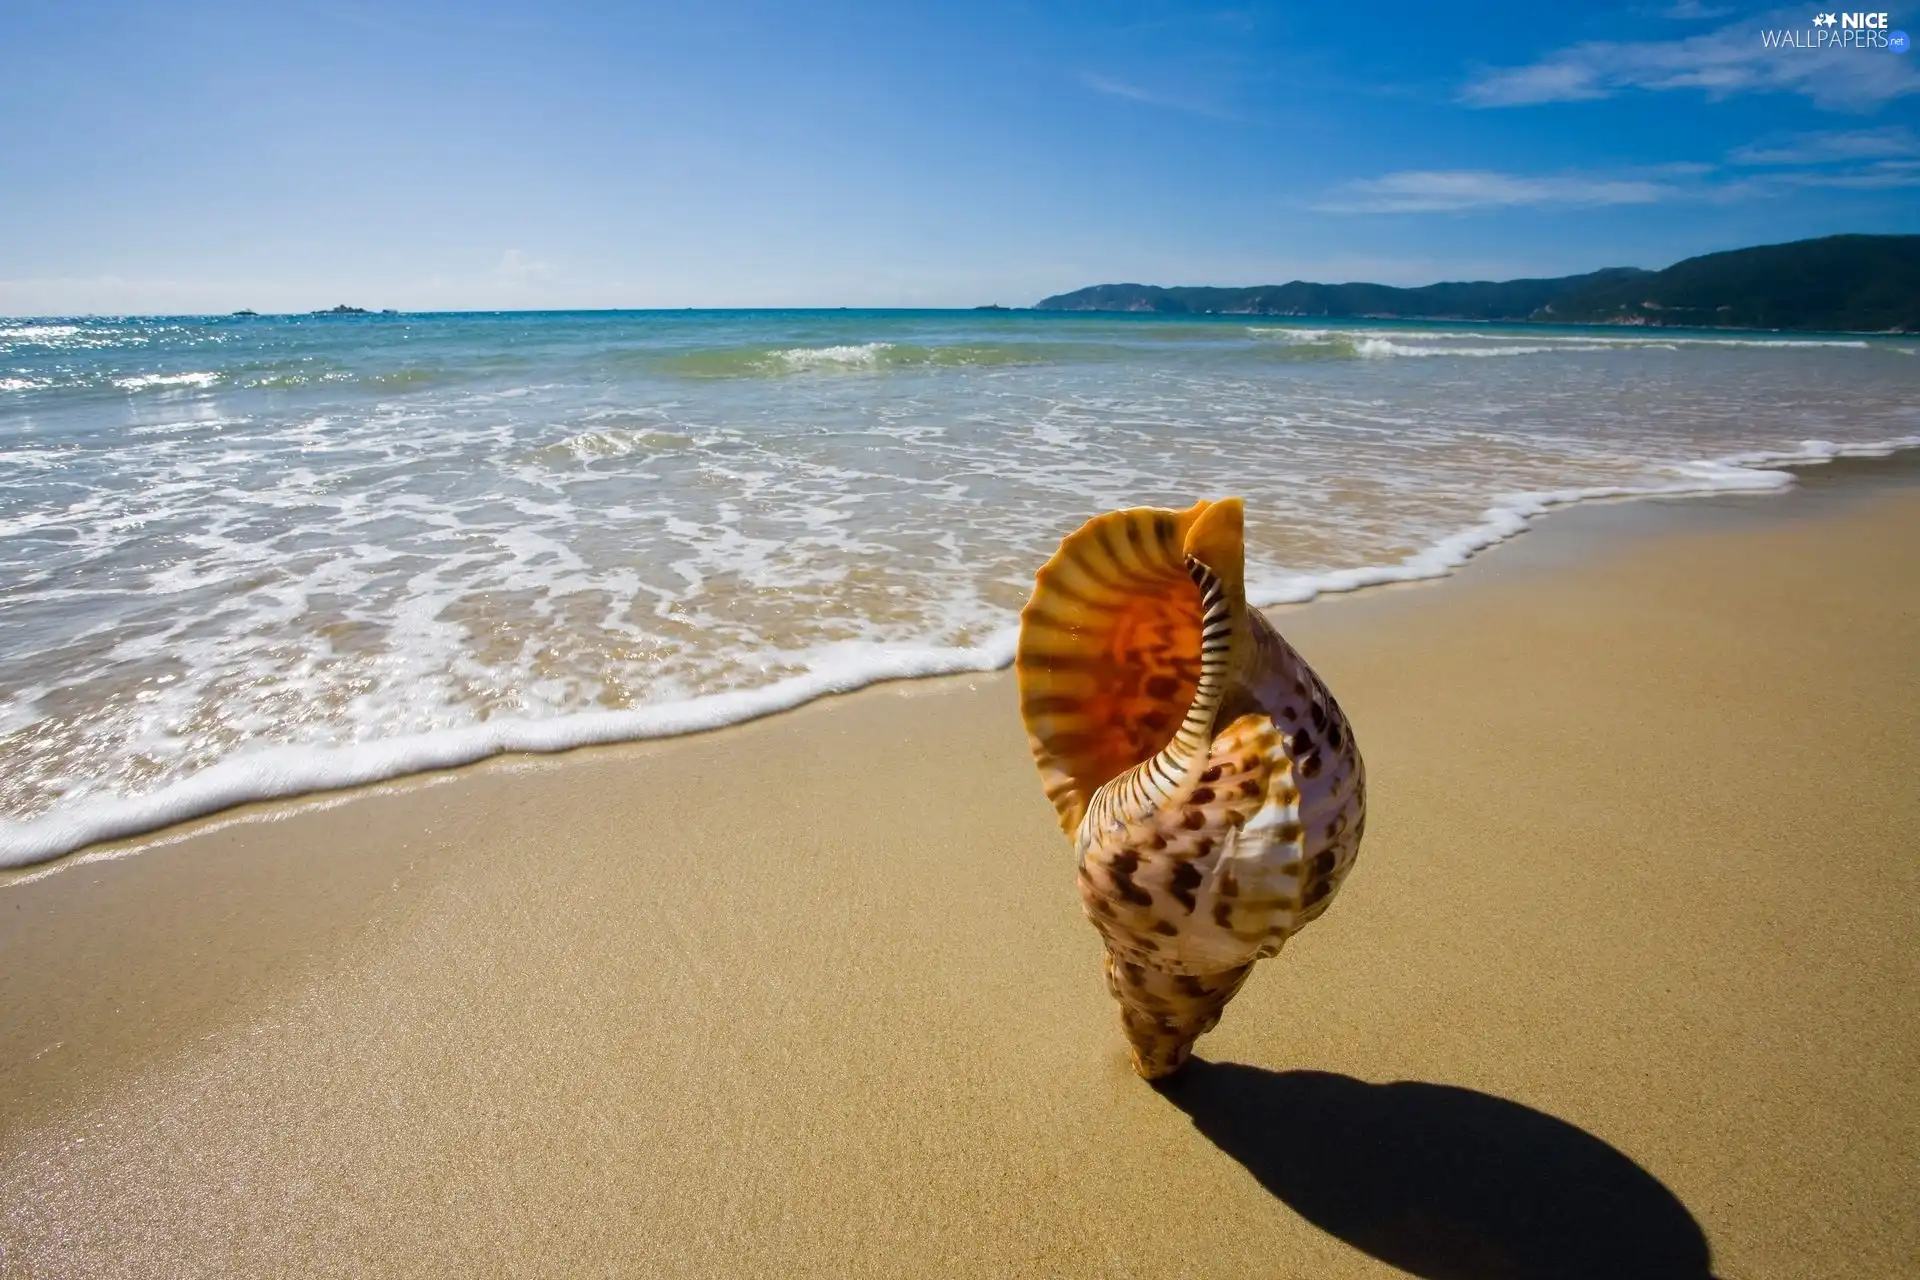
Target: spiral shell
(1210, 782)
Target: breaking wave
(1373, 344)
(272, 772)
(873, 357)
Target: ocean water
(247, 557)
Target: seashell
(1210, 783)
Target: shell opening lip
(1217, 538)
(1108, 659)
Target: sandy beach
(1623, 984)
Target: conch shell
(1209, 781)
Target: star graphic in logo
(1823, 20)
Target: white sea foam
(1842, 344)
(290, 771)
(37, 333)
(242, 592)
(1523, 341)
(597, 446)
(144, 381)
(30, 339)
(282, 771)
(20, 384)
(864, 355)
(1374, 348)
(1383, 344)
(1513, 515)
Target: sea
(247, 557)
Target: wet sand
(1623, 984)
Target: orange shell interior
(1109, 652)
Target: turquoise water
(252, 556)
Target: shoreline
(1627, 952)
(1508, 322)
(296, 774)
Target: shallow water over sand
(251, 556)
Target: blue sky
(208, 156)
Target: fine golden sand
(1625, 974)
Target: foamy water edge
(284, 772)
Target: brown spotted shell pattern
(1209, 781)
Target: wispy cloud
(1695, 11)
(1886, 175)
(1721, 63)
(1455, 190)
(1795, 166)
(1890, 143)
(1134, 93)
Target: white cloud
(1453, 190)
(1721, 63)
(1797, 162)
(1887, 175)
(1889, 143)
(1134, 93)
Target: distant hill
(1477, 300)
(1864, 283)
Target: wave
(613, 442)
(864, 355)
(61, 336)
(294, 374)
(401, 379)
(286, 771)
(149, 381)
(247, 378)
(288, 381)
(1308, 343)
(277, 772)
(1324, 344)
(1375, 348)
(1514, 514)
(37, 333)
(261, 377)
(867, 357)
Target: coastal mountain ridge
(1860, 283)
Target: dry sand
(1632, 928)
